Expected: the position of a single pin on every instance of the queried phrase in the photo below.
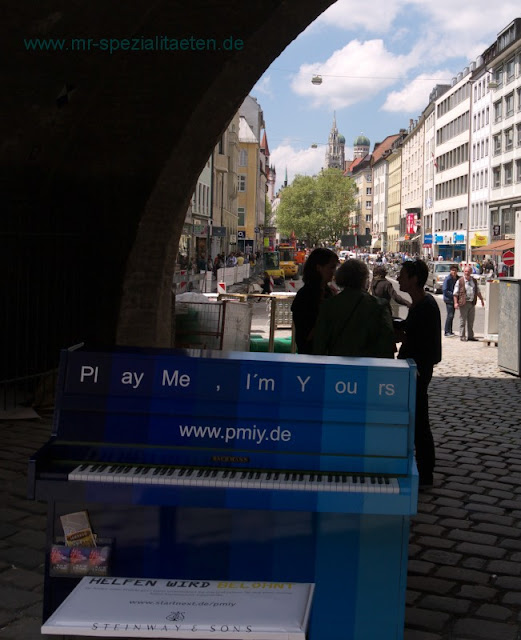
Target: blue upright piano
(241, 466)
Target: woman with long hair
(319, 270)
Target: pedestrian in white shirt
(466, 294)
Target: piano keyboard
(235, 479)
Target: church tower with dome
(361, 146)
(335, 156)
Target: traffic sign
(508, 258)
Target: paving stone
(504, 567)
(435, 543)
(481, 550)
(25, 628)
(411, 596)
(412, 634)
(471, 536)
(473, 563)
(430, 585)
(508, 582)
(512, 597)
(497, 529)
(484, 508)
(510, 544)
(439, 556)
(15, 599)
(475, 592)
(423, 518)
(23, 557)
(463, 575)
(420, 567)
(8, 529)
(473, 628)
(21, 578)
(449, 605)
(453, 523)
(429, 530)
(488, 517)
(493, 611)
(451, 512)
(430, 620)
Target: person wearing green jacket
(354, 323)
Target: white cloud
(297, 161)
(376, 16)
(415, 96)
(263, 86)
(447, 28)
(307, 162)
(354, 73)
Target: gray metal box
(509, 330)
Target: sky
(379, 61)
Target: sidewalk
(465, 549)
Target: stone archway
(100, 153)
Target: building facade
(503, 59)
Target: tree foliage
(317, 208)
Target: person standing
(319, 270)
(354, 323)
(466, 293)
(448, 298)
(383, 288)
(420, 337)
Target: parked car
(438, 271)
(345, 255)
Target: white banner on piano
(150, 608)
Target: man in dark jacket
(420, 335)
(448, 298)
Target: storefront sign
(479, 240)
(427, 238)
(219, 232)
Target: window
(507, 170)
(368, 191)
(518, 91)
(510, 70)
(498, 76)
(509, 139)
(368, 204)
(241, 211)
(518, 170)
(242, 182)
(243, 158)
(497, 144)
(509, 104)
(496, 177)
(498, 111)
(368, 218)
(518, 135)
(221, 146)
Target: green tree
(317, 208)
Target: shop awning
(494, 248)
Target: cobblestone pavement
(464, 578)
